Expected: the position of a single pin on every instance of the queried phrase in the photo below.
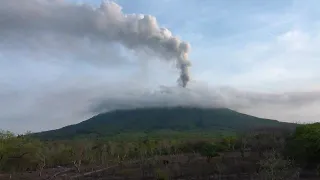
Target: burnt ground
(228, 166)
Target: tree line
(21, 153)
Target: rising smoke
(30, 23)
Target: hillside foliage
(162, 121)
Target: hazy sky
(63, 61)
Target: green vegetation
(276, 151)
(265, 153)
(178, 122)
(304, 145)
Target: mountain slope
(154, 119)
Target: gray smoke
(57, 26)
(54, 106)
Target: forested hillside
(161, 121)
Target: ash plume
(29, 24)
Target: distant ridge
(155, 119)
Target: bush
(304, 145)
(209, 151)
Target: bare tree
(42, 162)
(274, 167)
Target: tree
(230, 142)
(209, 150)
(42, 155)
(304, 145)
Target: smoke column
(106, 23)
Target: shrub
(304, 145)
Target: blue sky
(250, 45)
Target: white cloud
(73, 101)
(289, 61)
